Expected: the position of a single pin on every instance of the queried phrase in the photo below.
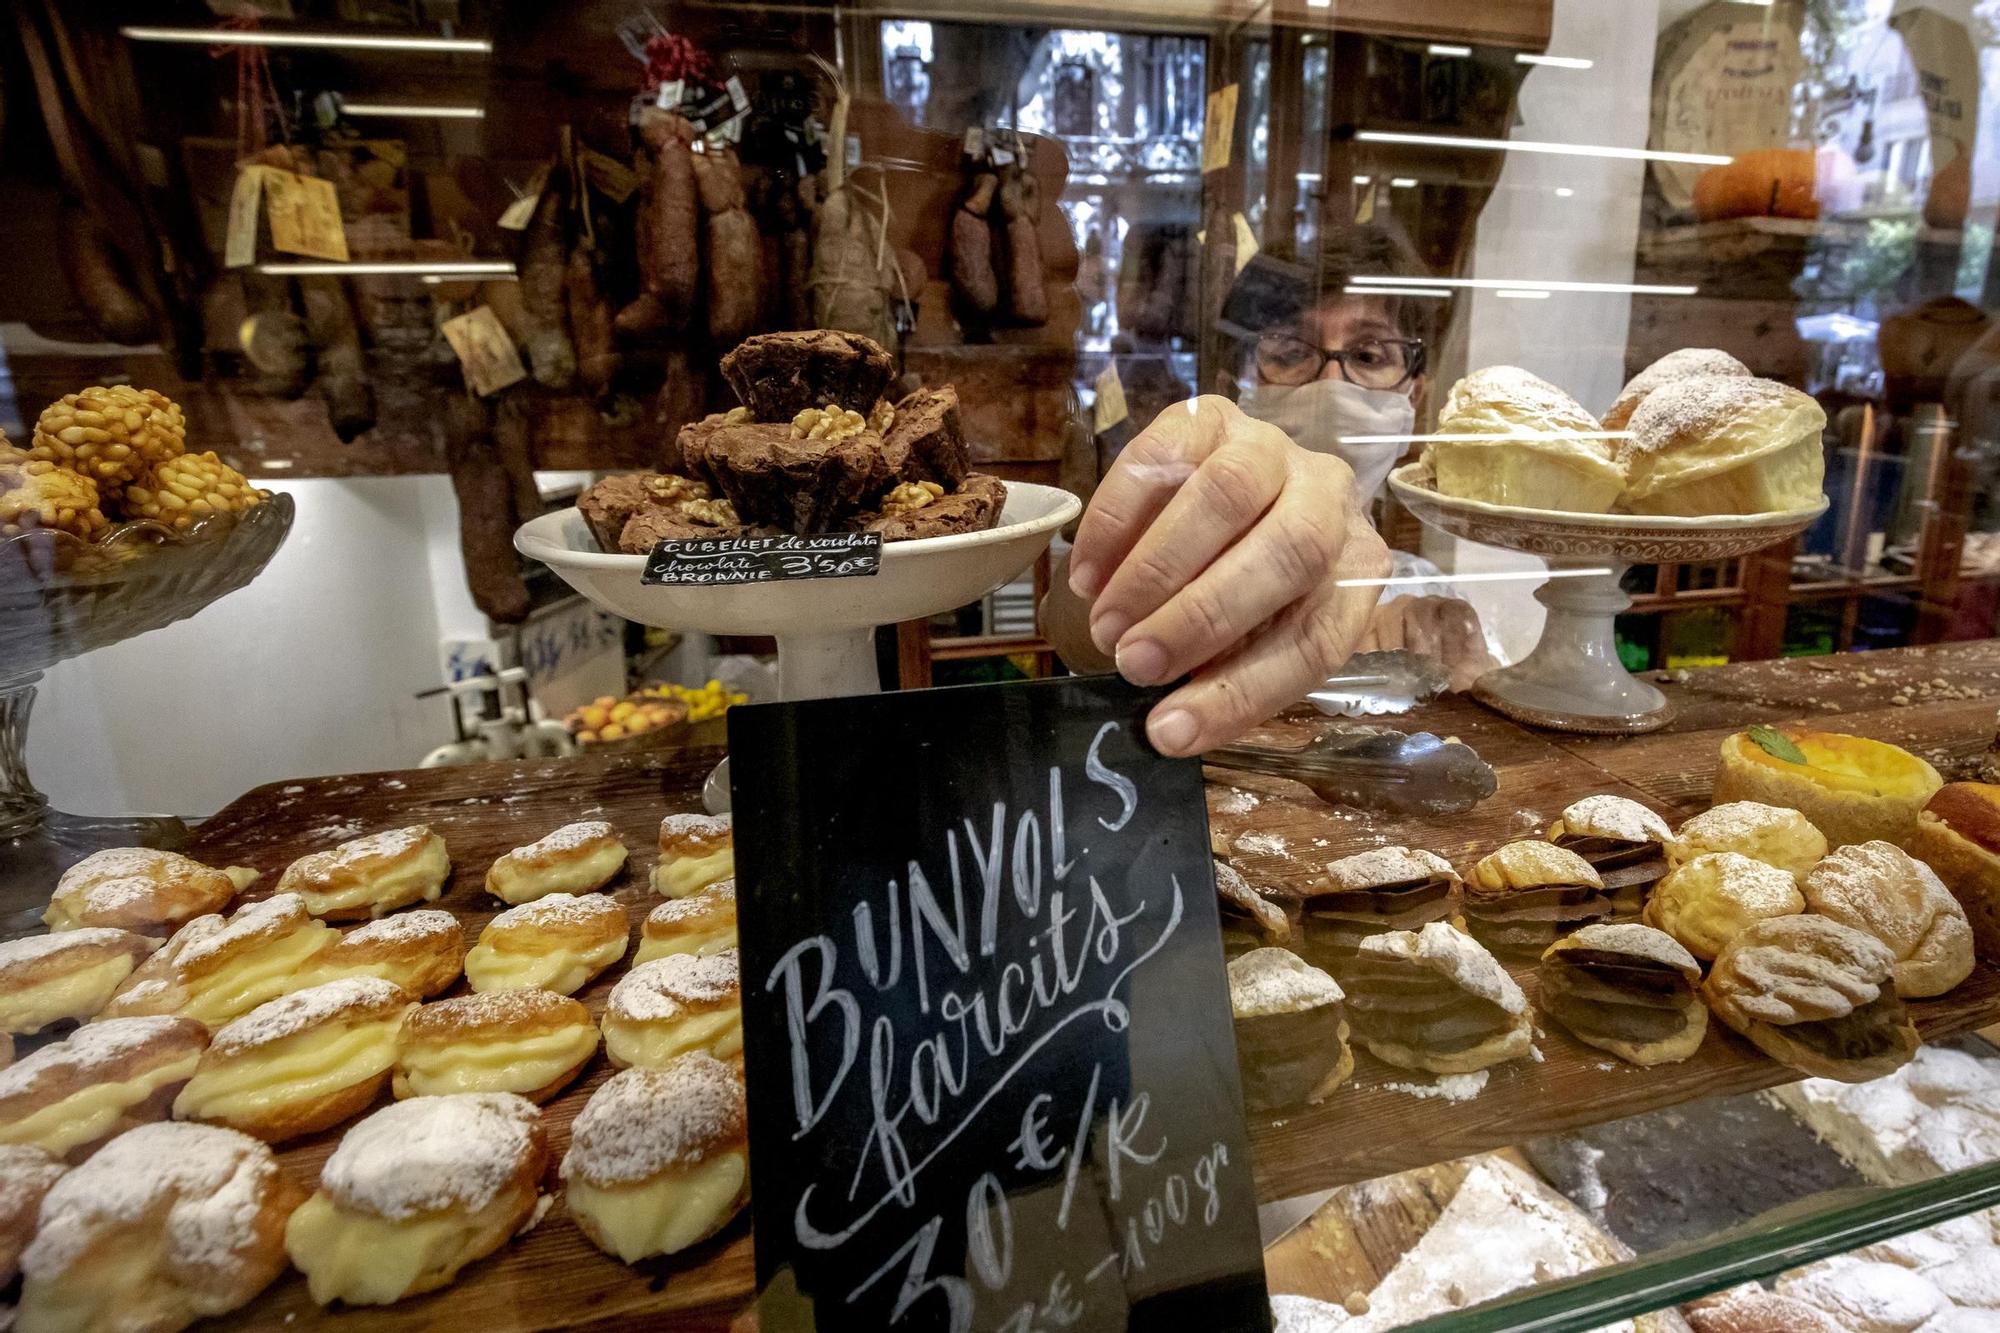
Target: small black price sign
(717, 561)
(987, 1032)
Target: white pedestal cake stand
(1573, 680)
(825, 628)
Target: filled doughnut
(674, 1005)
(139, 888)
(530, 1042)
(70, 974)
(576, 858)
(421, 951)
(103, 1079)
(214, 969)
(695, 852)
(701, 923)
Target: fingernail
(1142, 661)
(1086, 580)
(1173, 733)
(1107, 630)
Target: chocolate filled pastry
(701, 924)
(1249, 919)
(530, 1042)
(140, 889)
(302, 1062)
(1777, 837)
(215, 969)
(779, 375)
(168, 1224)
(47, 979)
(1706, 902)
(1879, 888)
(576, 858)
(1815, 995)
(555, 943)
(26, 1175)
(1610, 832)
(104, 1079)
(1627, 989)
(1434, 999)
(1373, 893)
(674, 1005)
(659, 1159)
(925, 426)
(1958, 836)
(371, 876)
(416, 1192)
(695, 852)
(421, 951)
(916, 510)
(1291, 1030)
(1528, 894)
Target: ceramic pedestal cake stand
(1573, 680)
(825, 628)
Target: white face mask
(1317, 415)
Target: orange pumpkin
(1765, 182)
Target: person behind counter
(1219, 541)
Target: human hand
(1216, 546)
(1445, 629)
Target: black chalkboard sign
(987, 1031)
(715, 561)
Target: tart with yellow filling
(1852, 789)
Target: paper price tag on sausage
(480, 342)
(246, 202)
(1109, 408)
(1218, 128)
(305, 215)
(986, 1033)
(722, 561)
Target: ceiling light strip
(354, 41)
(1517, 284)
(457, 268)
(1537, 146)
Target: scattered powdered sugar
(26, 1172)
(567, 909)
(1614, 817)
(423, 925)
(125, 863)
(698, 828)
(1305, 1314)
(89, 1049)
(643, 1121)
(1449, 1087)
(289, 1015)
(206, 1184)
(535, 1216)
(32, 948)
(462, 1016)
(1862, 1294)
(292, 790)
(394, 784)
(387, 844)
(568, 838)
(1261, 844)
(1532, 404)
(273, 916)
(336, 829)
(1277, 981)
(717, 900)
(1234, 801)
(1386, 865)
(431, 1153)
(1453, 954)
(669, 987)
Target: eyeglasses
(1372, 363)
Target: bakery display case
(435, 433)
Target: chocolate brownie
(693, 445)
(610, 502)
(671, 523)
(926, 423)
(798, 485)
(974, 507)
(779, 375)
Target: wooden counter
(552, 1278)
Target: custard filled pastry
(673, 1005)
(1815, 995)
(421, 951)
(1373, 893)
(659, 1159)
(1768, 833)
(701, 923)
(166, 1225)
(1706, 902)
(104, 1079)
(138, 888)
(1511, 438)
(695, 852)
(45, 979)
(1434, 999)
(214, 969)
(555, 943)
(576, 858)
(1627, 989)
(1249, 919)
(1610, 831)
(530, 1042)
(371, 876)
(1879, 888)
(1527, 894)
(302, 1062)
(1674, 366)
(26, 1175)
(1724, 444)
(1853, 789)
(416, 1192)
(1291, 1030)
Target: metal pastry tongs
(1371, 684)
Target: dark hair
(1274, 289)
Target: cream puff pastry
(1434, 999)
(1521, 898)
(1815, 995)
(701, 923)
(301, 1062)
(214, 969)
(139, 888)
(1627, 989)
(26, 1175)
(530, 1042)
(1879, 888)
(421, 951)
(1291, 1030)
(1768, 833)
(416, 1192)
(555, 943)
(576, 858)
(695, 852)
(659, 1159)
(1706, 902)
(673, 1005)
(371, 876)
(45, 979)
(166, 1225)
(104, 1079)
(1724, 444)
